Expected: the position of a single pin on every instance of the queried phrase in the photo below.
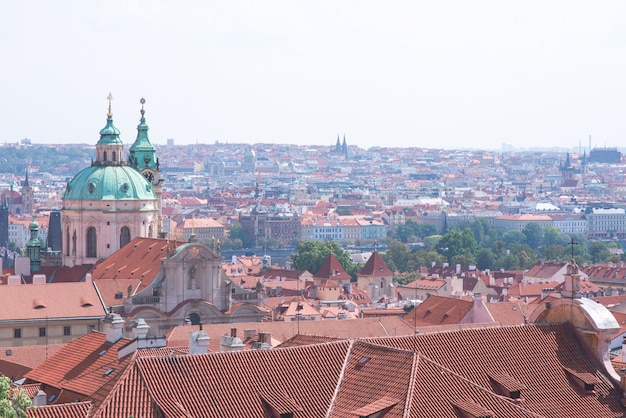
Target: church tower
(109, 203)
(143, 157)
(27, 197)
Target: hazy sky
(437, 74)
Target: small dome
(109, 183)
(110, 134)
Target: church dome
(109, 183)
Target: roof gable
(375, 266)
(332, 269)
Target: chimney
(113, 327)
(14, 279)
(624, 350)
(249, 333)
(22, 266)
(458, 269)
(265, 337)
(198, 342)
(233, 332)
(40, 398)
(230, 343)
(140, 329)
(39, 279)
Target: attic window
(108, 372)
(52, 398)
(37, 304)
(585, 381)
(85, 303)
(506, 385)
(119, 295)
(101, 353)
(8, 352)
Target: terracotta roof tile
(82, 366)
(68, 410)
(50, 301)
(332, 269)
(375, 266)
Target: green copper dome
(110, 135)
(109, 183)
(142, 152)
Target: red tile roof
(67, 410)
(136, 265)
(332, 269)
(50, 301)
(375, 266)
(439, 310)
(82, 366)
(533, 354)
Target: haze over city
(448, 74)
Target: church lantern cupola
(109, 149)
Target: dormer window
(507, 385)
(585, 381)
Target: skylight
(103, 352)
(363, 361)
(108, 372)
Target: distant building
(605, 155)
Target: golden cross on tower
(109, 98)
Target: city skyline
(447, 75)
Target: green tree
(534, 234)
(599, 252)
(12, 405)
(485, 259)
(463, 259)
(513, 237)
(312, 254)
(237, 231)
(431, 240)
(427, 229)
(458, 242)
(397, 254)
(423, 258)
(527, 256)
(553, 236)
(554, 252)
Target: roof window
(507, 385)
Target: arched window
(194, 318)
(92, 243)
(105, 155)
(114, 159)
(67, 242)
(124, 236)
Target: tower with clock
(143, 157)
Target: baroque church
(111, 219)
(113, 201)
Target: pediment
(188, 252)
